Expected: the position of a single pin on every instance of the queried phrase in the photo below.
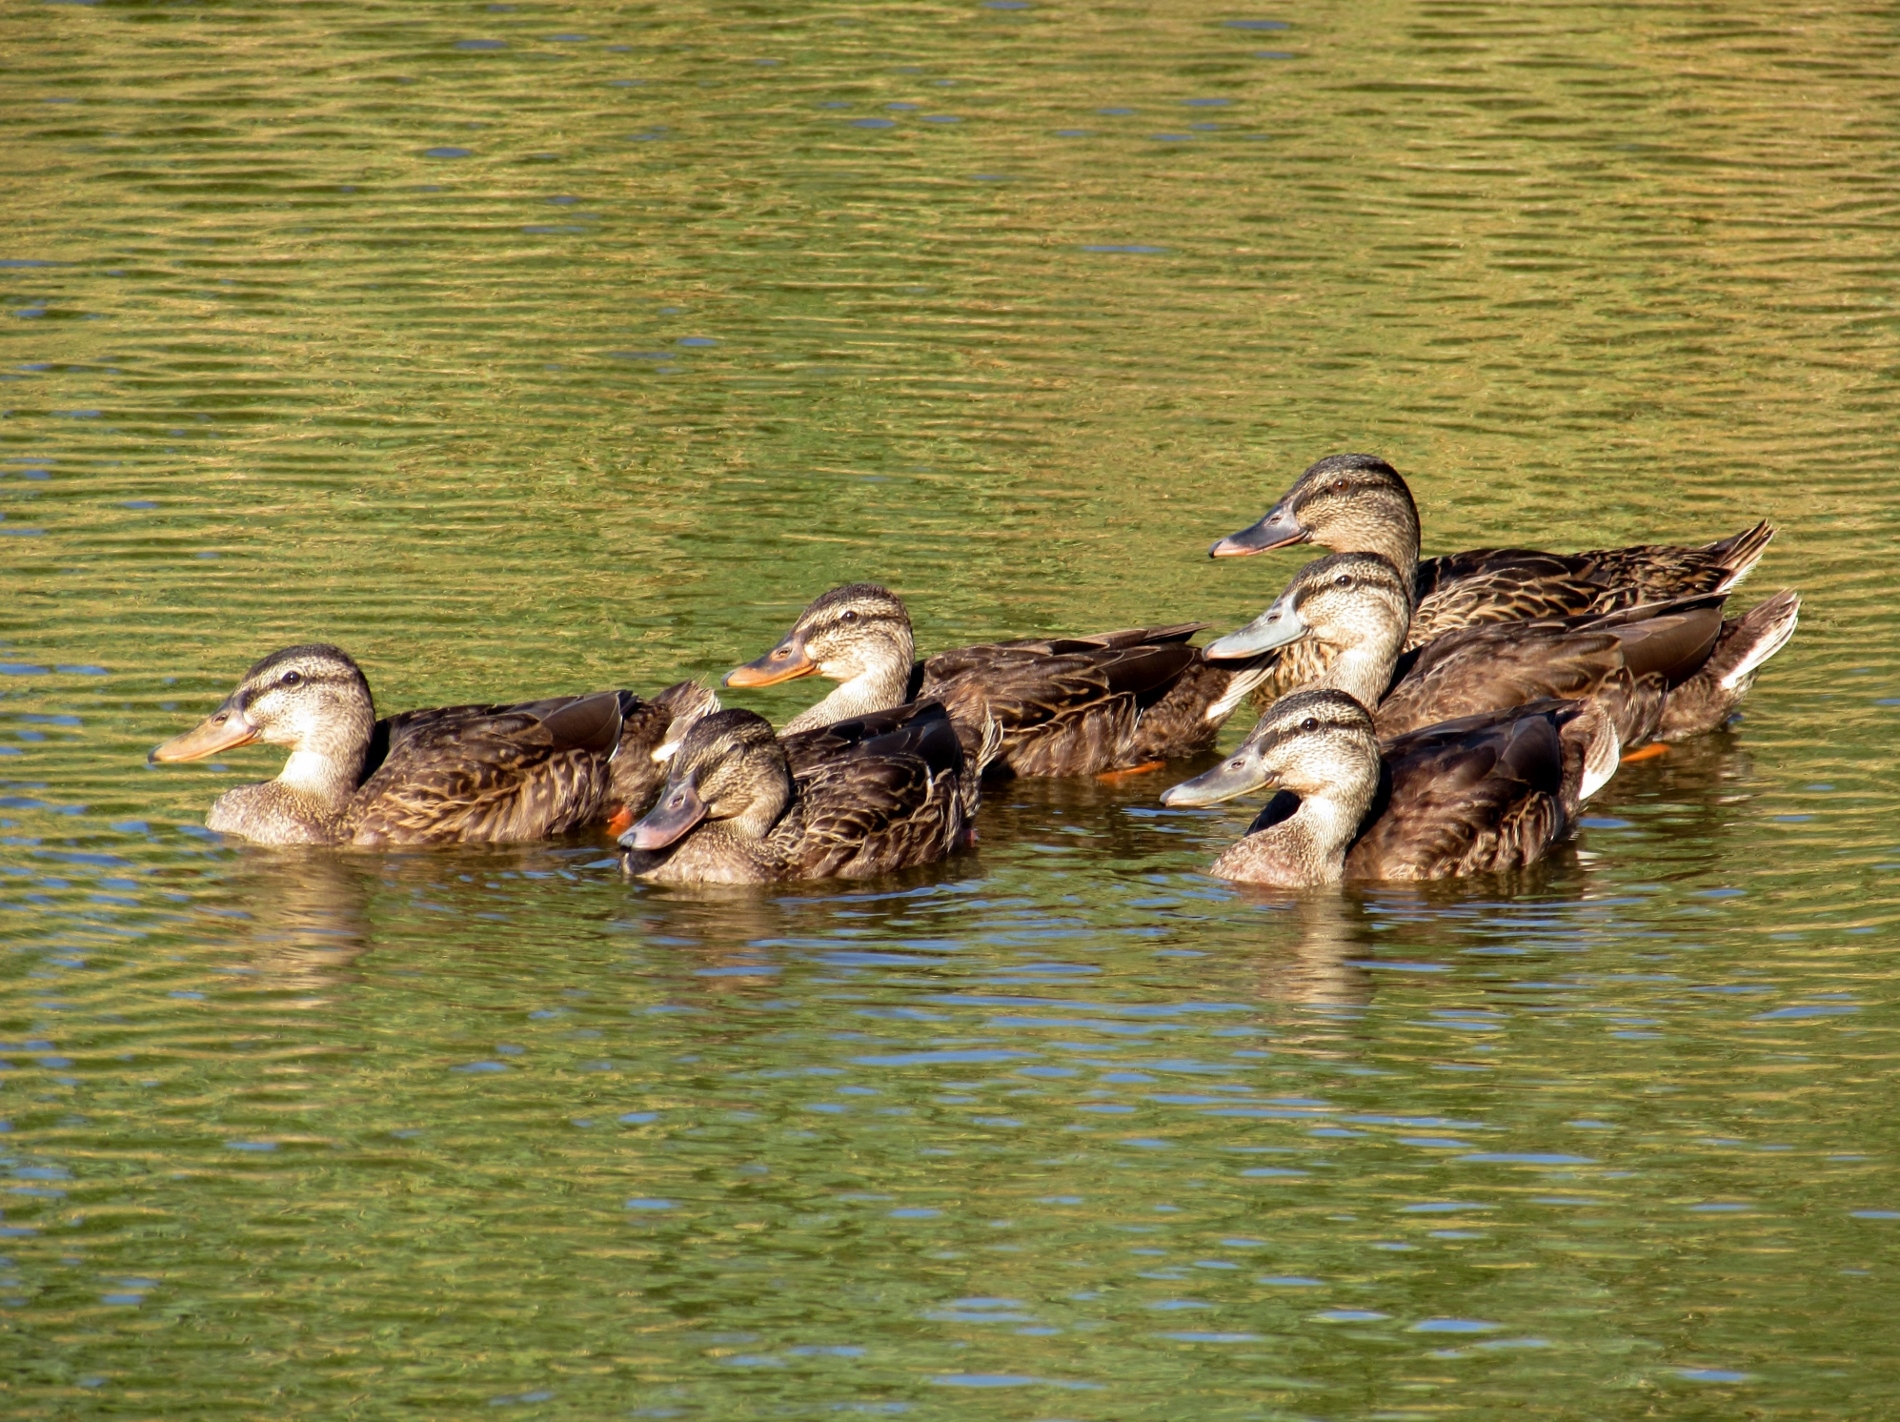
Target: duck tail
(991, 745)
(1739, 554)
(1601, 754)
(1705, 700)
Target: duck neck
(1394, 539)
(323, 780)
(878, 687)
(327, 756)
(1308, 847)
(1363, 668)
(756, 821)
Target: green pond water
(536, 348)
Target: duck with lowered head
(448, 774)
(1066, 706)
(1357, 503)
(849, 800)
(1472, 796)
(1665, 670)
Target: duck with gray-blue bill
(1478, 795)
(1358, 503)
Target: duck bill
(785, 662)
(1278, 529)
(1237, 775)
(224, 729)
(667, 822)
(1278, 626)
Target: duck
(1116, 701)
(1665, 670)
(1357, 503)
(1478, 795)
(476, 774)
(853, 799)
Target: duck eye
(1344, 580)
(290, 678)
(1339, 486)
(1311, 723)
(850, 615)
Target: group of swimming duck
(1423, 718)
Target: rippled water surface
(530, 348)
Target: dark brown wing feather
(874, 795)
(1062, 712)
(1631, 657)
(1476, 795)
(1509, 584)
(489, 774)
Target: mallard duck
(850, 800)
(1472, 796)
(1357, 503)
(1665, 670)
(1066, 706)
(447, 774)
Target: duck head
(312, 699)
(1356, 605)
(1354, 503)
(1318, 744)
(859, 636)
(729, 769)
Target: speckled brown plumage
(852, 800)
(1506, 584)
(485, 775)
(1476, 795)
(1066, 706)
(1357, 503)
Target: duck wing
(1631, 657)
(1511, 584)
(1066, 706)
(1475, 795)
(874, 794)
(482, 774)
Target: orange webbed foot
(1142, 769)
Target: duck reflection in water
(308, 914)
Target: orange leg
(1648, 752)
(1132, 770)
(621, 822)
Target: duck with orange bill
(1115, 701)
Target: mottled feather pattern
(1476, 796)
(870, 796)
(1067, 706)
(1510, 584)
(1632, 657)
(482, 774)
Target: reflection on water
(527, 350)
